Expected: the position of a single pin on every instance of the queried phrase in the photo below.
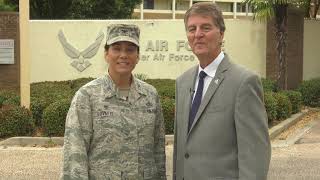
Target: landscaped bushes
(9, 98)
(165, 87)
(15, 121)
(284, 107)
(295, 98)
(37, 106)
(280, 105)
(166, 91)
(168, 109)
(269, 85)
(14, 100)
(310, 91)
(50, 102)
(45, 93)
(54, 117)
(77, 83)
(271, 106)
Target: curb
(294, 138)
(45, 141)
(279, 128)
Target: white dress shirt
(210, 70)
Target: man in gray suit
(221, 129)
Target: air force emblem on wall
(79, 59)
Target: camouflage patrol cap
(123, 32)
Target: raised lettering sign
(6, 51)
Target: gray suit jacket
(229, 137)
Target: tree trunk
(316, 5)
(281, 17)
(307, 13)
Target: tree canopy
(277, 9)
(82, 9)
(265, 8)
(9, 5)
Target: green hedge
(271, 105)
(168, 109)
(166, 91)
(45, 93)
(284, 107)
(50, 102)
(310, 91)
(9, 98)
(269, 85)
(15, 121)
(37, 107)
(76, 84)
(295, 98)
(165, 87)
(15, 101)
(54, 117)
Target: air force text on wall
(159, 50)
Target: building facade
(175, 9)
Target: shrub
(45, 93)
(9, 96)
(271, 106)
(269, 85)
(51, 91)
(168, 109)
(295, 98)
(310, 90)
(54, 117)
(15, 121)
(165, 87)
(15, 101)
(142, 77)
(77, 83)
(37, 107)
(284, 107)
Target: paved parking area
(17, 163)
(34, 163)
(297, 162)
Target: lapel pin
(216, 81)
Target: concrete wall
(311, 52)
(245, 42)
(163, 53)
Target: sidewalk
(299, 161)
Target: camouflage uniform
(112, 138)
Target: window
(225, 6)
(148, 4)
(241, 7)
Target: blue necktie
(197, 99)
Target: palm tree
(277, 9)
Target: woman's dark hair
(106, 47)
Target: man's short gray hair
(206, 9)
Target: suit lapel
(188, 88)
(214, 85)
